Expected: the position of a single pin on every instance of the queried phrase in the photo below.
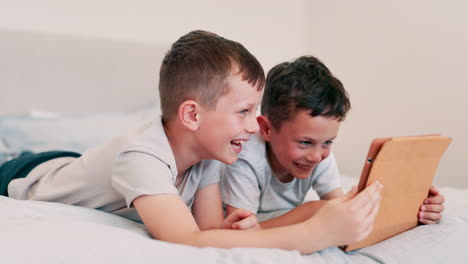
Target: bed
(44, 106)
(43, 232)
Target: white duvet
(40, 232)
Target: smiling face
(223, 130)
(299, 145)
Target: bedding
(43, 232)
(38, 131)
(55, 233)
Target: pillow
(5, 152)
(43, 131)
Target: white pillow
(44, 131)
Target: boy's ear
(265, 127)
(189, 114)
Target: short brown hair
(303, 84)
(196, 67)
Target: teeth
(238, 142)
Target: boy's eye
(245, 111)
(309, 143)
(305, 143)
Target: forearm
(295, 216)
(207, 208)
(304, 237)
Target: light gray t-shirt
(109, 177)
(250, 183)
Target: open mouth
(237, 145)
(303, 167)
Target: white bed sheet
(42, 232)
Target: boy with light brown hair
(166, 173)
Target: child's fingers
(237, 215)
(434, 208)
(375, 209)
(429, 216)
(349, 195)
(368, 197)
(242, 213)
(433, 190)
(367, 223)
(437, 199)
(246, 223)
(426, 221)
(372, 214)
(231, 219)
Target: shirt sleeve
(210, 172)
(327, 176)
(137, 173)
(240, 186)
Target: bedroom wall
(404, 64)
(272, 30)
(58, 53)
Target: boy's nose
(314, 156)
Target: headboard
(70, 74)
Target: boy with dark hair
(303, 105)
(165, 173)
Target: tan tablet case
(406, 167)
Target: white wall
(104, 55)
(272, 30)
(404, 63)
(405, 66)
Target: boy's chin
(302, 175)
(228, 159)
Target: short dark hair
(303, 84)
(196, 67)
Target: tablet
(406, 167)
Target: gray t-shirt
(250, 183)
(109, 177)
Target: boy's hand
(350, 218)
(431, 210)
(241, 219)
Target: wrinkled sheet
(41, 232)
